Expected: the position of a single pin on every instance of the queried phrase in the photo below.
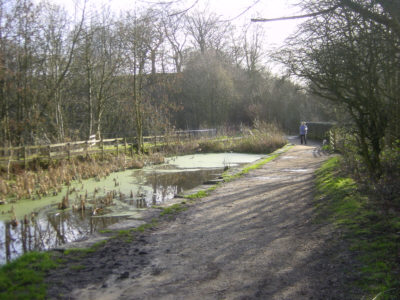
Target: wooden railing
(117, 146)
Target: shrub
(388, 186)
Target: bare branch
(185, 10)
(243, 12)
(322, 12)
(392, 23)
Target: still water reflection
(41, 225)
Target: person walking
(303, 133)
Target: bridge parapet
(319, 130)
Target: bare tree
(98, 61)
(55, 30)
(252, 47)
(351, 61)
(136, 34)
(157, 36)
(207, 31)
(4, 76)
(384, 12)
(59, 50)
(177, 37)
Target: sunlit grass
(372, 232)
(173, 209)
(24, 277)
(197, 195)
(147, 226)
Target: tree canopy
(349, 53)
(144, 72)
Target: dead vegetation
(26, 184)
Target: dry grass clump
(180, 147)
(156, 158)
(64, 204)
(262, 138)
(136, 164)
(34, 185)
(215, 146)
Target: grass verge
(373, 234)
(173, 209)
(23, 278)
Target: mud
(253, 238)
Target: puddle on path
(41, 225)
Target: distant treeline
(142, 73)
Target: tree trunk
(90, 101)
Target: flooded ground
(96, 204)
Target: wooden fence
(128, 146)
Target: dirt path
(253, 238)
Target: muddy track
(253, 238)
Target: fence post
(116, 146)
(102, 148)
(25, 158)
(69, 151)
(86, 148)
(126, 146)
(135, 146)
(49, 151)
